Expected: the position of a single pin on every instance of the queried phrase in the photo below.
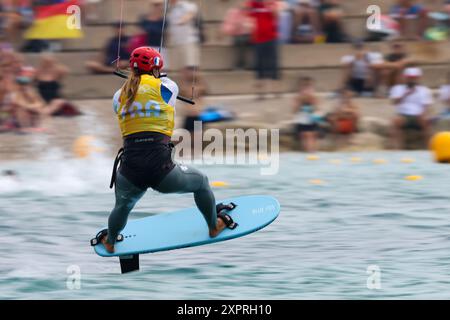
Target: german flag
(55, 21)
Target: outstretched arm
(125, 76)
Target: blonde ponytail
(130, 88)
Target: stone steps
(317, 56)
(232, 82)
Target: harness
(117, 161)
(158, 139)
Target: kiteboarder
(145, 107)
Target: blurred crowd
(256, 29)
(28, 94)
(411, 99)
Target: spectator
(152, 23)
(306, 22)
(6, 57)
(305, 109)
(394, 64)
(49, 75)
(27, 105)
(344, 118)
(331, 15)
(239, 25)
(91, 8)
(3, 21)
(137, 40)
(12, 64)
(105, 62)
(412, 101)
(265, 13)
(25, 9)
(184, 34)
(447, 8)
(444, 97)
(5, 47)
(361, 69)
(285, 21)
(6, 118)
(410, 16)
(439, 23)
(12, 17)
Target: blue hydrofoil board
(187, 228)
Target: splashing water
(321, 246)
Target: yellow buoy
(82, 147)
(440, 146)
(335, 161)
(312, 157)
(413, 178)
(407, 160)
(219, 184)
(316, 181)
(379, 161)
(355, 159)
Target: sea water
(348, 229)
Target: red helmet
(145, 59)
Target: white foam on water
(10, 185)
(57, 175)
(320, 246)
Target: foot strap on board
(228, 207)
(226, 218)
(221, 209)
(103, 233)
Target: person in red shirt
(265, 38)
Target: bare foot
(220, 226)
(108, 247)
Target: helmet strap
(156, 73)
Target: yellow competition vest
(149, 111)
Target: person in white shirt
(184, 34)
(412, 101)
(361, 69)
